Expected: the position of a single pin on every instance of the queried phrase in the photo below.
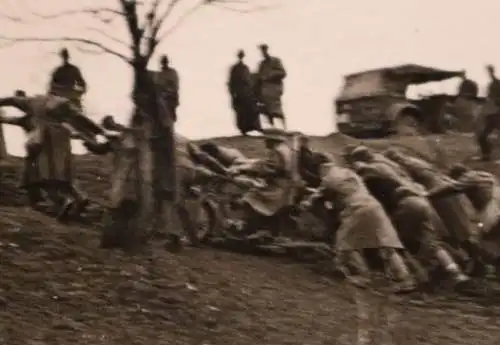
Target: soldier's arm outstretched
(19, 103)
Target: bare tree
(146, 31)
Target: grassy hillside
(57, 287)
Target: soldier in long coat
(167, 79)
(49, 144)
(363, 224)
(270, 77)
(418, 225)
(25, 122)
(241, 89)
(272, 199)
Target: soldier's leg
(431, 248)
(81, 199)
(483, 137)
(34, 190)
(397, 265)
(354, 267)
(35, 193)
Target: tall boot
(450, 266)
(477, 258)
(353, 267)
(82, 201)
(405, 281)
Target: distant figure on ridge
(67, 80)
(468, 87)
(465, 104)
(489, 117)
(241, 89)
(270, 76)
(168, 81)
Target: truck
(373, 103)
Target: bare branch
(111, 37)
(10, 41)
(181, 20)
(97, 12)
(136, 33)
(11, 18)
(157, 25)
(249, 8)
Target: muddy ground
(58, 287)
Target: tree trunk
(138, 228)
(144, 184)
(155, 185)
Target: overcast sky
(318, 41)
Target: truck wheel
(407, 125)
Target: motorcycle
(219, 216)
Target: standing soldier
(468, 87)
(464, 107)
(67, 80)
(270, 76)
(168, 82)
(240, 86)
(490, 115)
(48, 146)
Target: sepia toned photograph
(242, 172)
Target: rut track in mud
(57, 287)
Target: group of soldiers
(485, 119)
(51, 120)
(415, 216)
(418, 219)
(253, 94)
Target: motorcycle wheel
(204, 222)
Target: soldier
(418, 225)
(363, 225)
(465, 104)
(456, 212)
(26, 123)
(168, 81)
(241, 88)
(49, 146)
(489, 116)
(272, 199)
(229, 157)
(364, 154)
(270, 76)
(67, 80)
(201, 158)
(483, 190)
(308, 162)
(468, 87)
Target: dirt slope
(57, 287)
